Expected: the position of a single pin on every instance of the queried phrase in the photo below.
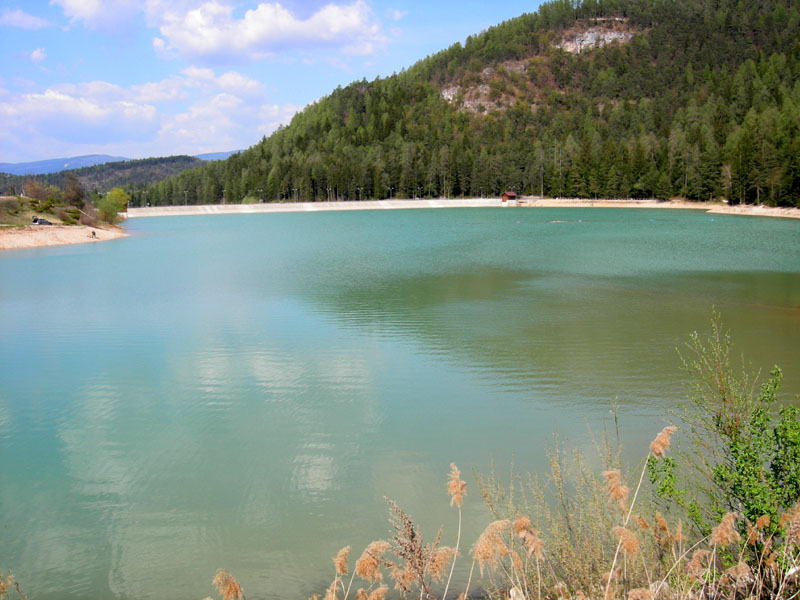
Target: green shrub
(111, 204)
(743, 455)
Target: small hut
(508, 197)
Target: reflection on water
(242, 391)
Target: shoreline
(401, 204)
(41, 236)
(33, 236)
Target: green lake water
(242, 391)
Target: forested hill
(607, 98)
(131, 174)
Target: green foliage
(112, 203)
(744, 452)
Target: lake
(242, 391)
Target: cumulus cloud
(396, 15)
(193, 112)
(37, 55)
(212, 32)
(102, 15)
(77, 118)
(22, 20)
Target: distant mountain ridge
(54, 165)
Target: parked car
(40, 221)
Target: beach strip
(37, 236)
(400, 204)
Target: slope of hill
(53, 165)
(614, 98)
(129, 174)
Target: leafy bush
(744, 451)
(109, 205)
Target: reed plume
(725, 533)
(660, 444)
(627, 541)
(330, 593)
(698, 564)
(227, 586)
(403, 579)
(369, 563)
(617, 492)
(340, 561)
(529, 536)
(378, 593)
(791, 520)
(438, 561)
(456, 487)
(490, 545)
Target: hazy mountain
(54, 165)
(216, 155)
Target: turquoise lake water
(241, 391)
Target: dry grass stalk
(490, 545)
(456, 488)
(361, 594)
(227, 586)
(660, 445)
(340, 561)
(407, 545)
(762, 522)
(368, 565)
(725, 533)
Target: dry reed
(227, 586)
(456, 487)
(340, 561)
(725, 533)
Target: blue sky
(140, 78)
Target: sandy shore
(35, 236)
(221, 209)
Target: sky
(140, 78)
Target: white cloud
(396, 15)
(22, 20)
(81, 119)
(37, 55)
(224, 111)
(212, 32)
(103, 15)
(231, 81)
